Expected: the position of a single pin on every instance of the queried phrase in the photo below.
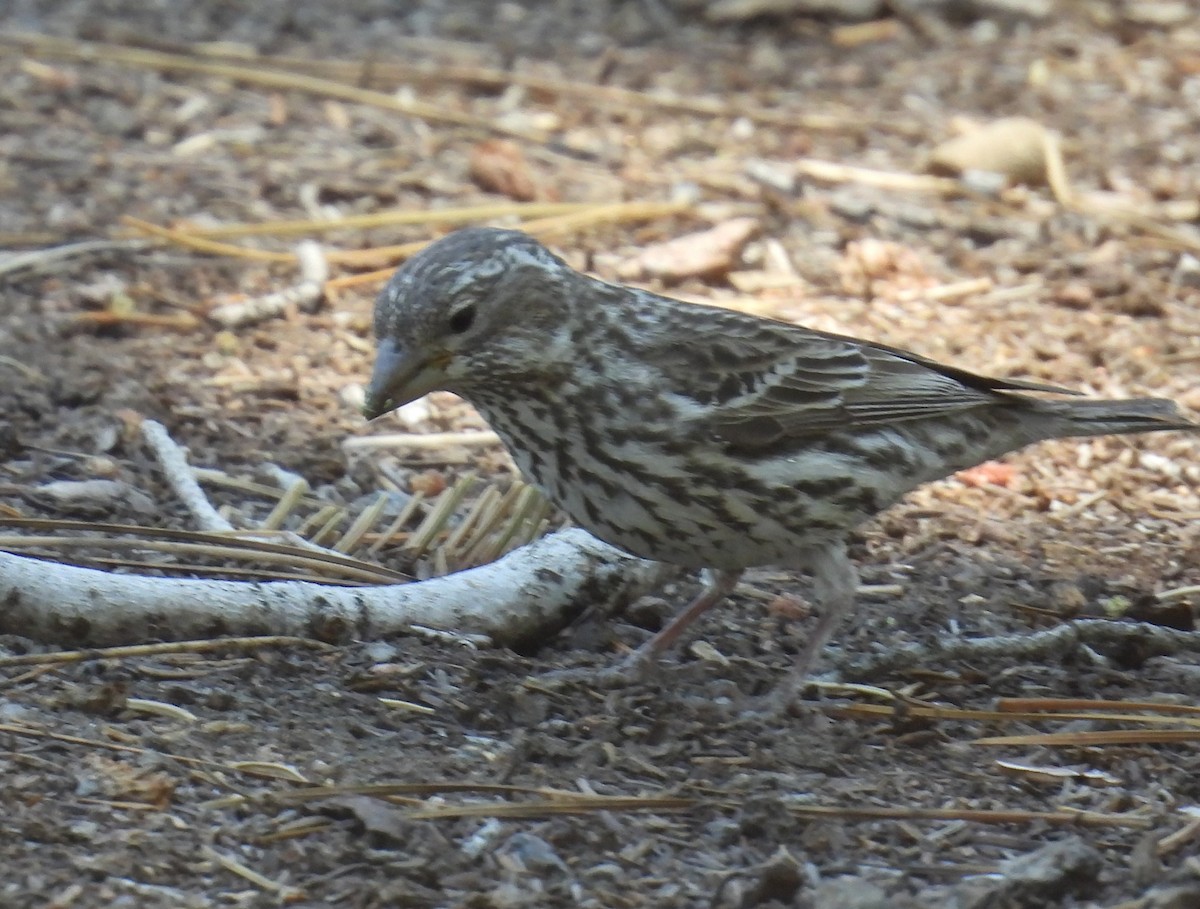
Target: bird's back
(706, 437)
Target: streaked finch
(697, 435)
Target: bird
(696, 435)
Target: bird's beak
(400, 377)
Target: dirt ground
(234, 778)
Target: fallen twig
(36, 261)
(1151, 640)
(207, 645)
(440, 217)
(525, 596)
(179, 477)
(306, 294)
(619, 98)
(66, 48)
(422, 441)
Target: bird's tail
(1097, 418)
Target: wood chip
(499, 166)
(1014, 147)
(713, 252)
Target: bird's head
(477, 308)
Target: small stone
(1075, 295)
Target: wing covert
(759, 383)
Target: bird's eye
(462, 319)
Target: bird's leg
(835, 580)
(717, 586)
(640, 664)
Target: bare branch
(522, 598)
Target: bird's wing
(759, 382)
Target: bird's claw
(635, 669)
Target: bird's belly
(675, 509)
(657, 496)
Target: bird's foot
(782, 703)
(784, 698)
(638, 667)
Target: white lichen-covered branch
(522, 598)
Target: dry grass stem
(436, 217)
(65, 48)
(169, 648)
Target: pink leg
(640, 664)
(718, 586)
(836, 582)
